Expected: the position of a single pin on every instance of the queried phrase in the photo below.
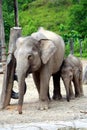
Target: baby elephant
(71, 70)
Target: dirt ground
(59, 110)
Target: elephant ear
(38, 36)
(48, 49)
(19, 43)
(15, 53)
(46, 46)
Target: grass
(43, 13)
(51, 15)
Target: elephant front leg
(76, 85)
(44, 87)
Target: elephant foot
(68, 98)
(57, 97)
(79, 95)
(43, 105)
(72, 97)
(19, 109)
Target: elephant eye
(30, 57)
(64, 72)
(34, 49)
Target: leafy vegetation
(65, 17)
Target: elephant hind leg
(76, 85)
(56, 83)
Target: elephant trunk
(66, 83)
(21, 84)
(21, 71)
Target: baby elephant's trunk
(66, 83)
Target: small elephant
(85, 75)
(71, 70)
(41, 54)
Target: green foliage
(65, 17)
(8, 17)
(59, 3)
(23, 4)
(84, 45)
(78, 18)
(42, 15)
(79, 44)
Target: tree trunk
(16, 13)
(2, 39)
(15, 32)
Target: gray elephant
(85, 75)
(41, 54)
(71, 71)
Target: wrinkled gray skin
(71, 71)
(41, 54)
(85, 75)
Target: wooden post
(80, 41)
(0, 26)
(2, 39)
(7, 86)
(71, 46)
(85, 75)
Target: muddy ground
(59, 110)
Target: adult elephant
(41, 54)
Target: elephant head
(31, 54)
(67, 77)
